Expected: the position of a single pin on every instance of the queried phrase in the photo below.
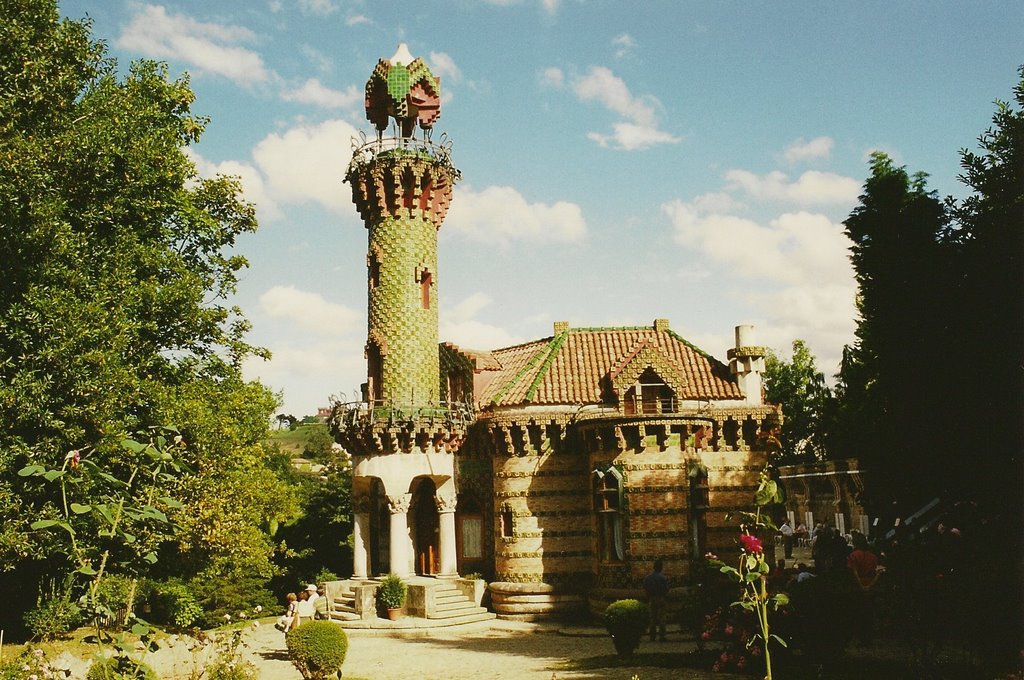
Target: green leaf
(140, 629)
(171, 502)
(87, 570)
(780, 600)
(51, 475)
(779, 640)
(150, 557)
(751, 576)
(133, 446)
(80, 509)
(128, 538)
(31, 470)
(43, 524)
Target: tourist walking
(656, 588)
(787, 537)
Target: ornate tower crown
(403, 88)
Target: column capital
(446, 502)
(399, 503)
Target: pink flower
(706, 635)
(728, 629)
(752, 544)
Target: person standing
(787, 537)
(656, 588)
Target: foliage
(113, 312)
(317, 649)
(55, 614)
(175, 605)
(318, 540)
(118, 667)
(820, 618)
(733, 628)
(938, 342)
(230, 596)
(391, 592)
(799, 387)
(626, 621)
(319, 442)
(753, 568)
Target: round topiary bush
(627, 620)
(317, 649)
(116, 667)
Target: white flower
(258, 608)
(255, 625)
(38, 652)
(243, 615)
(227, 617)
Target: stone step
(343, 615)
(470, 613)
(453, 606)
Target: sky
(620, 162)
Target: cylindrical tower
(402, 187)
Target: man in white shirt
(787, 538)
(313, 595)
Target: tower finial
(403, 88)
(402, 55)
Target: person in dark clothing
(656, 588)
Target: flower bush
(118, 668)
(317, 649)
(31, 663)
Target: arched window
(607, 487)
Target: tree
(799, 387)
(117, 271)
(930, 394)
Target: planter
(626, 644)
(394, 614)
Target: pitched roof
(574, 366)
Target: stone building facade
(560, 468)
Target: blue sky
(621, 161)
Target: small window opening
(374, 266)
(506, 523)
(426, 278)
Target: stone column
(360, 532)
(398, 550)
(446, 539)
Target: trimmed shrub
(391, 592)
(119, 668)
(317, 649)
(626, 620)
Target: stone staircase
(344, 606)
(452, 607)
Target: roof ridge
(496, 399)
(554, 347)
(523, 344)
(694, 347)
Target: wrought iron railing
(364, 150)
(397, 414)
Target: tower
(401, 436)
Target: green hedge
(317, 649)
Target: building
(560, 468)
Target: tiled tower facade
(401, 435)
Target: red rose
(752, 544)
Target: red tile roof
(573, 367)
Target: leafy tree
(930, 394)
(319, 442)
(114, 312)
(806, 402)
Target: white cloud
(625, 44)
(309, 311)
(314, 92)
(819, 148)
(356, 19)
(443, 65)
(639, 130)
(794, 248)
(254, 189)
(552, 77)
(311, 373)
(811, 188)
(502, 214)
(459, 326)
(307, 163)
(209, 47)
(318, 7)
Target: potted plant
(391, 595)
(626, 620)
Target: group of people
(302, 607)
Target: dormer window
(650, 395)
